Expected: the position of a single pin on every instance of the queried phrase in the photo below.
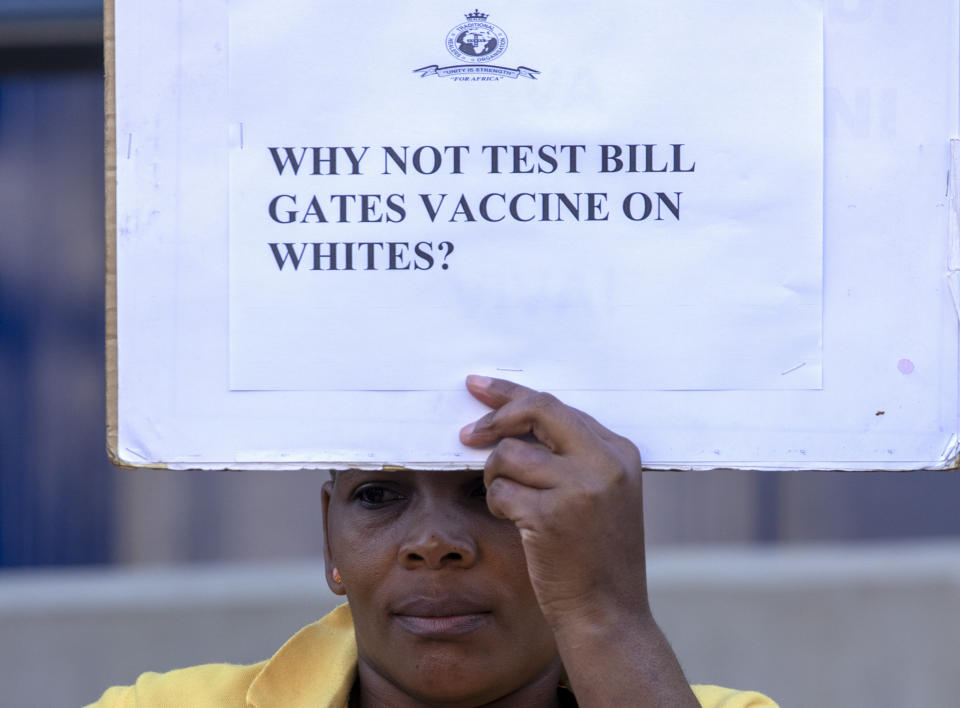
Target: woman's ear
(334, 580)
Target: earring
(336, 577)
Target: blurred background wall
(61, 502)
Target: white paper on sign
(625, 196)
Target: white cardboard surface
(889, 376)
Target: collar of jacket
(316, 667)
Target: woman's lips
(440, 616)
(442, 626)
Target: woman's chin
(461, 673)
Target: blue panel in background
(49, 8)
(56, 485)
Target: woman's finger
(496, 393)
(508, 499)
(526, 462)
(556, 425)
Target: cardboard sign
(718, 227)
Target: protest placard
(717, 226)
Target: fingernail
(468, 428)
(479, 381)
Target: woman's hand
(574, 490)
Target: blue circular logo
(476, 41)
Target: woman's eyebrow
(351, 476)
(344, 476)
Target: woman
(525, 586)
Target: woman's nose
(436, 542)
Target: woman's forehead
(351, 477)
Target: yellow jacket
(315, 668)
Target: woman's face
(438, 587)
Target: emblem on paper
(478, 43)
(476, 40)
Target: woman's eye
(373, 496)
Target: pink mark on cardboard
(905, 366)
